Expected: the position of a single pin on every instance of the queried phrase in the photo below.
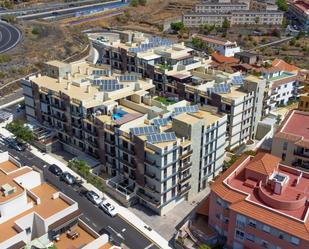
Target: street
(119, 230)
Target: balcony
(59, 117)
(150, 162)
(110, 142)
(185, 166)
(186, 154)
(150, 175)
(148, 199)
(127, 163)
(300, 153)
(111, 153)
(77, 125)
(184, 178)
(90, 131)
(184, 191)
(130, 151)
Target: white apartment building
(33, 212)
(152, 57)
(223, 46)
(240, 98)
(281, 87)
(115, 118)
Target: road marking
(123, 230)
(147, 247)
(118, 234)
(94, 225)
(44, 166)
(87, 218)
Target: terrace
(285, 190)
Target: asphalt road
(120, 231)
(9, 36)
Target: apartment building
(303, 104)
(291, 142)
(281, 87)
(240, 98)
(35, 213)
(144, 145)
(237, 12)
(300, 10)
(152, 57)
(260, 203)
(263, 5)
(223, 46)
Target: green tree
(21, 131)
(134, 3)
(282, 5)
(226, 24)
(177, 26)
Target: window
(164, 198)
(283, 156)
(295, 241)
(264, 244)
(285, 145)
(241, 221)
(252, 223)
(250, 237)
(28, 230)
(239, 235)
(266, 228)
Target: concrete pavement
(133, 239)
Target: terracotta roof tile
(264, 163)
(284, 66)
(223, 59)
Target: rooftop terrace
(297, 124)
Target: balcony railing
(185, 166)
(148, 199)
(301, 154)
(184, 178)
(185, 190)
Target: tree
(177, 26)
(204, 246)
(134, 3)
(226, 24)
(282, 5)
(21, 131)
(257, 20)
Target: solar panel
(161, 121)
(221, 88)
(237, 80)
(146, 130)
(128, 78)
(192, 108)
(104, 72)
(161, 137)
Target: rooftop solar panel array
(237, 80)
(153, 43)
(128, 78)
(221, 88)
(161, 137)
(161, 121)
(104, 72)
(192, 108)
(108, 85)
(146, 130)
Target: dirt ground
(40, 42)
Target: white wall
(29, 180)
(4, 156)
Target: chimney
(68, 76)
(79, 70)
(88, 90)
(59, 79)
(68, 85)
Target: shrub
(21, 131)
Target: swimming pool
(119, 114)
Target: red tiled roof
(284, 81)
(284, 66)
(223, 59)
(211, 39)
(264, 163)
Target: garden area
(165, 100)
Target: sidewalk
(123, 212)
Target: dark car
(67, 178)
(56, 170)
(19, 146)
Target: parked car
(67, 178)
(56, 170)
(17, 145)
(93, 197)
(108, 208)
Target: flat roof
(8, 166)
(297, 124)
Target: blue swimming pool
(119, 114)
